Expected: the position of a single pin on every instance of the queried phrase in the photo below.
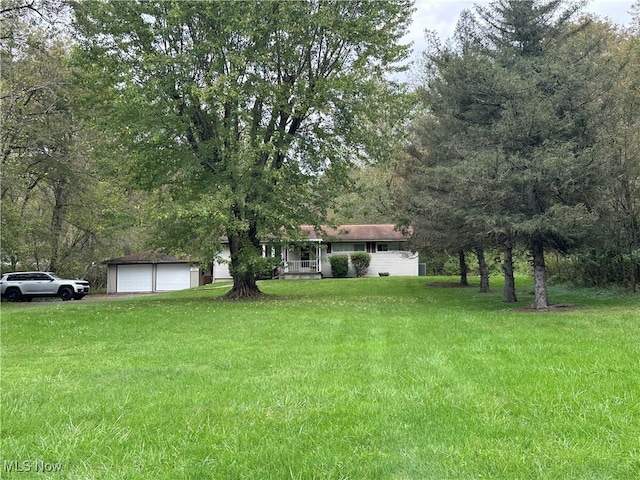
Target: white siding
(397, 263)
(173, 276)
(135, 278)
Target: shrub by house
(339, 265)
(360, 262)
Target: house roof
(149, 256)
(358, 233)
(374, 232)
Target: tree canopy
(50, 187)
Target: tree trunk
(484, 270)
(507, 269)
(243, 245)
(463, 269)
(244, 286)
(539, 275)
(635, 242)
(57, 215)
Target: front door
(305, 257)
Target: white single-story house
(310, 258)
(149, 272)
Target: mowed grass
(383, 378)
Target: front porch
(302, 269)
(302, 262)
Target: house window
(342, 247)
(388, 247)
(348, 247)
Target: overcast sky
(442, 15)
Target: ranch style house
(309, 257)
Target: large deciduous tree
(49, 189)
(242, 116)
(619, 151)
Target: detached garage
(148, 272)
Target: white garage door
(173, 276)
(134, 278)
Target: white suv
(18, 286)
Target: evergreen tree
(511, 102)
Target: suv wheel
(65, 293)
(13, 294)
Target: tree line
(525, 138)
(171, 124)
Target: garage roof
(149, 256)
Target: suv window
(19, 277)
(40, 276)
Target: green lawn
(383, 378)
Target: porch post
(319, 257)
